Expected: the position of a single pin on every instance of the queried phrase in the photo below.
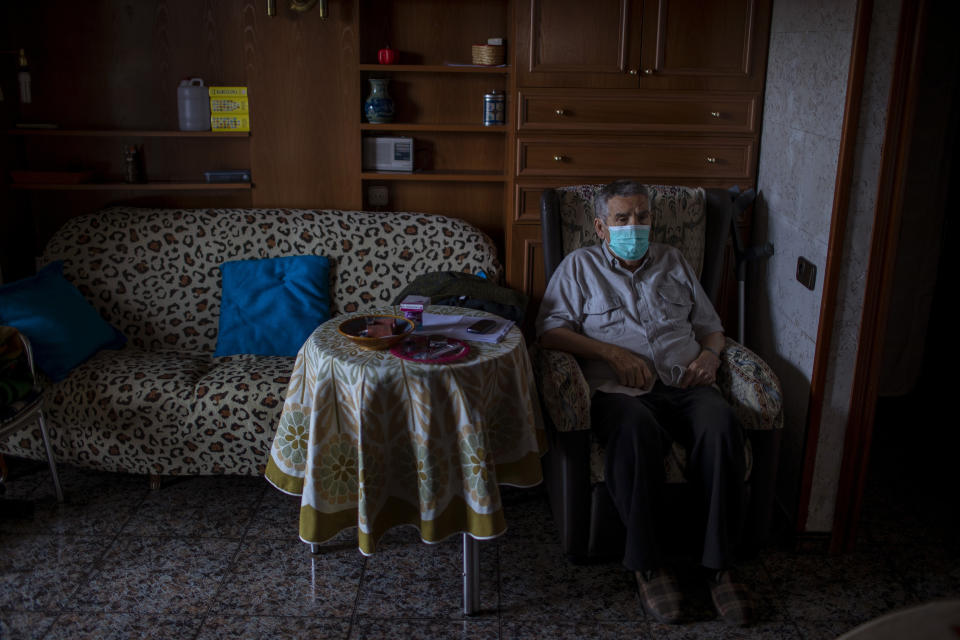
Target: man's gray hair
(618, 188)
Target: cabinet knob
(559, 157)
(632, 72)
(711, 160)
(715, 114)
(648, 72)
(560, 113)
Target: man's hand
(631, 369)
(701, 371)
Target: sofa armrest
(565, 393)
(751, 387)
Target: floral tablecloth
(373, 441)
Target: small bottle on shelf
(133, 164)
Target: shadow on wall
(762, 336)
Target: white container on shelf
(193, 105)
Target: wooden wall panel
(305, 148)
(116, 64)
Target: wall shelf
(125, 186)
(437, 128)
(127, 133)
(434, 68)
(435, 176)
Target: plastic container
(193, 105)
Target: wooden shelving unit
(163, 184)
(461, 167)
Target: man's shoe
(731, 598)
(660, 594)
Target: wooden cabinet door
(705, 45)
(571, 43)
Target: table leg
(471, 575)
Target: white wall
(809, 58)
(807, 66)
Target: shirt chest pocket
(603, 317)
(675, 304)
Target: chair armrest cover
(751, 387)
(565, 392)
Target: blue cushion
(64, 329)
(270, 307)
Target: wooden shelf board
(435, 176)
(124, 186)
(127, 133)
(433, 68)
(465, 128)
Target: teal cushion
(270, 307)
(64, 329)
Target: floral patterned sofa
(163, 405)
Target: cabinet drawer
(542, 110)
(654, 157)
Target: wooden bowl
(375, 332)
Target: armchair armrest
(565, 393)
(751, 387)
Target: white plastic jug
(193, 105)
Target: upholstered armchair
(698, 222)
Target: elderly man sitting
(649, 343)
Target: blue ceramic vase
(378, 106)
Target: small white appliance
(388, 153)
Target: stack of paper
(456, 327)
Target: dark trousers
(637, 433)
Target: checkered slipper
(660, 595)
(731, 599)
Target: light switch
(806, 273)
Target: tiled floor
(208, 558)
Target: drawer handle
(711, 160)
(632, 72)
(560, 113)
(715, 114)
(559, 157)
(648, 72)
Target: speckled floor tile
(290, 556)
(178, 591)
(27, 552)
(204, 555)
(537, 581)
(122, 626)
(309, 585)
(278, 516)
(208, 520)
(825, 629)
(40, 589)
(528, 517)
(425, 581)
(928, 572)
(93, 508)
(536, 630)
(719, 630)
(24, 625)
(374, 629)
(855, 585)
(276, 628)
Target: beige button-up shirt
(659, 312)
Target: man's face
(621, 211)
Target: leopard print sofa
(163, 405)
